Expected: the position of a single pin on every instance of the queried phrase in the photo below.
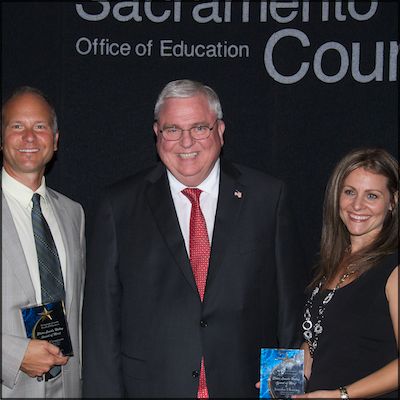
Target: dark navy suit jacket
(145, 328)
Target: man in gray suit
(31, 367)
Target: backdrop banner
(301, 83)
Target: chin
(188, 173)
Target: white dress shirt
(19, 200)
(208, 202)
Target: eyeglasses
(198, 132)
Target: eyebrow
(194, 124)
(366, 190)
(22, 121)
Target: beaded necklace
(311, 332)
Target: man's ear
(221, 130)
(55, 142)
(156, 128)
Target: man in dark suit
(179, 299)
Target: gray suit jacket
(18, 291)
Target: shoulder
(389, 263)
(392, 285)
(136, 182)
(392, 268)
(60, 199)
(251, 176)
(379, 274)
(394, 276)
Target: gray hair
(31, 90)
(185, 88)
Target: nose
(186, 140)
(358, 203)
(28, 135)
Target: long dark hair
(335, 238)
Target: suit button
(203, 324)
(195, 374)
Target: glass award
(281, 373)
(47, 322)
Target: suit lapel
(65, 226)
(14, 254)
(228, 209)
(163, 209)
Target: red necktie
(199, 248)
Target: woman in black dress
(351, 318)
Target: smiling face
(364, 203)
(28, 139)
(189, 160)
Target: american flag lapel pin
(238, 194)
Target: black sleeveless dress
(357, 337)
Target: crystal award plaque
(281, 373)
